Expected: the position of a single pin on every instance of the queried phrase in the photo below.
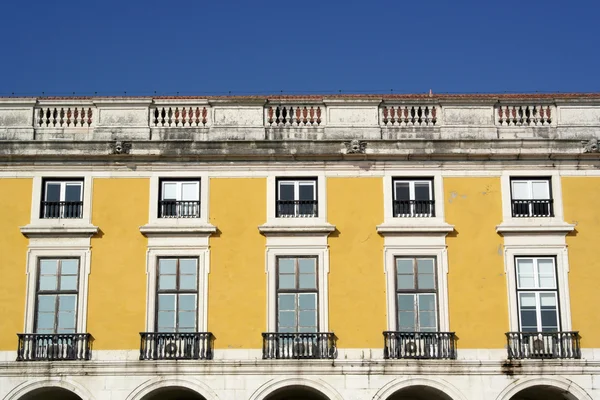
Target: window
(297, 198)
(537, 294)
(297, 293)
(531, 198)
(62, 199)
(416, 293)
(177, 295)
(413, 198)
(56, 296)
(179, 198)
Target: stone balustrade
(451, 117)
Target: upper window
(56, 296)
(177, 295)
(537, 294)
(413, 198)
(297, 293)
(179, 198)
(416, 293)
(62, 198)
(297, 198)
(531, 198)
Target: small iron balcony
(532, 208)
(414, 208)
(176, 346)
(54, 347)
(543, 345)
(319, 345)
(297, 208)
(178, 209)
(61, 209)
(419, 345)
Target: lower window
(416, 294)
(297, 292)
(177, 295)
(537, 294)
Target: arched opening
(50, 393)
(419, 392)
(173, 393)
(296, 393)
(543, 392)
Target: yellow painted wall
(15, 211)
(117, 282)
(581, 196)
(477, 291)
(237, 286)
(357, 304)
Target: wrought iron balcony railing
(419, 345)
(176, 346)
(299, 345)
(178, 209)
(543, 345)
(297, 208)
(532, 208)
(414, 208)
(54, 347)
(61, 209)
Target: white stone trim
(398, 384)
(414, 245)
(167, 382)
(159, 248)
(557, 382)
(297, 246)
(270, 387)
(58, 382)
(42, 248)
(539, 245)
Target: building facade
(346, 247)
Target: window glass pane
(527, 300)
(422, 191)
(188, 266)
(404, 265)
(67, 303)
(287, 319)
(287, 281)
(307, 191)
(46, 303)
(66, 320)
(68, 282)
(549, 311)
(546, 273)
(286, 191)
(45, 321)
(307, 265)
(169, 191)
(187, 302)
(427, 302)
(308, 281)
(405, 277)
(406, 302)
(166, 302)
(402, 191)
(525, 274)
(307, 301)
(73, 192)
(167, 266)
(427, 321)
(286, 265)
(166, 321)
(53, 191)
(167, 282)
(520, 190)
(189, 191)
(69, 267)
(187, 320)
(48, 267)
(406, 321)
(425, 277)
(287, 302)
(541, 190)
(48, 282)
(308, 318)
(187, 282)
(306, 329)
(527, 310)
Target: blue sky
(216, 47)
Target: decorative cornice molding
(177, 230)
(36, 231)
(296, 229)
(549, 228)
(412, 227)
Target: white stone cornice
(37, 231)
(299, 229)
(412, 227)
(528, 228)
(178, 230)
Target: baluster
(204, 114)
(426, 116)
(89, 113)
(548, 115)
(298, 115)
(277, 115)
(434, 115)
(541, 114)
(41, 116)
(392, 115)
(54, 116)
(312, 115)
(385, 115)
(405, 111)
(68, 116)
(170, 115)
(176, 116)
(284, 114)
(304, 115)
(75, 116)
(318, 115)
(62, 116)
(270, 115)
(183, 116)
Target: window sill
(534, 225)
(414, 225)
(303, 227)
(71, 230)
(169, 228)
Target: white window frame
(297, 183)
(179, 184)
(406, 247)
(152, 256)
(290, 247)
(411, 188)
(40, 250)
(546, 246)
(530, 181)
(38, 190)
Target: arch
(61, 383)
(272, 386)
(394, 386)
(555, 382)
(151, 385)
